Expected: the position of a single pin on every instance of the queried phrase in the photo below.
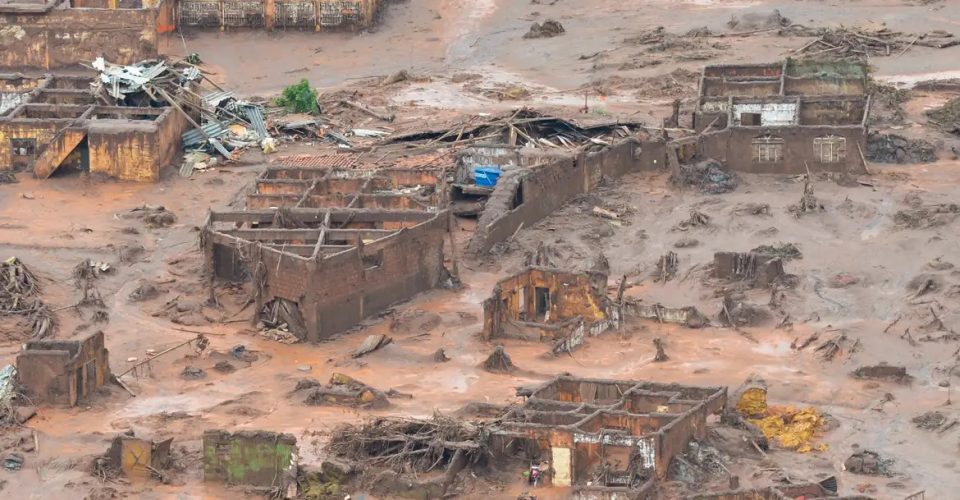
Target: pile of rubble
(947, 117)
(864, 42)
(226, 124)
(893, 148)
(20, 296)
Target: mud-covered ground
(863, 257)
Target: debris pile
(786, 426)
(756, 21)
(868, 463)
(920, 216)
(666, 268)
(886, 103)
(946, 118)
(227, 124)
(696, 219)
(676, 83)
(412, 446)
(808, 201)
(736, 312)
(883, 372)
(19, 296)
(781, 250)
(893, 148)
(548, 29)
(864, 42)
(499, 362)
(152, 216)
(344, 391)
(709, 176)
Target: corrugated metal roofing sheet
(255, 115)
(194, 137)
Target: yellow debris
(753, 403)
(791, 428)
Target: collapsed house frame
(607, 438)
(334, 247)
(55, 120)
(784, 118)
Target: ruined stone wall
(43, 131)
(545, 188)
(734, 146)
(125, 150)
(64, 372)
(410, 262)
(64, 38)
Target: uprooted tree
(413, 445)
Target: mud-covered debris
(842, 280)
(224, 367)
(547, 29)
(751, 208)
(440, 356)
(661, 355)
(808, 201)
(100, 316)
(372, 343)
(193, 373)
(20, 296)
(883, 371)
(7, 177)
(947, 117)
(892, 148)
(686, 243)
(755, 20)
(346, 391)
(736, 312)
(927, 216)
(499, 362)
(709, 176)
(886, 103)
(667, 267)
(929, 421)
(939, 264)
(867, 463)
(395, 394)
(695, 219)
(781, 250)
(306, 383)
(129, 252)
(143, 292)
(153, 216)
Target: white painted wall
(772, 114)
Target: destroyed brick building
(316, 15)
(334, 248)
(785, 117)
(550, 306)
(63, 372)
(524, 195)
(54, 121)
(607, 438)
(49, 35)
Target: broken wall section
(523, 197)
(253, 458)
(63, 372)
(60, 38)
(550, 305)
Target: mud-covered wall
(571, 295)
(254, 458)
(338, 291)
(43, 131)
(545, 188)
(65, 37)
(734, 146)
(63, 372)
(124, 149)
(348, 287)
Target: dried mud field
(874, 269)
